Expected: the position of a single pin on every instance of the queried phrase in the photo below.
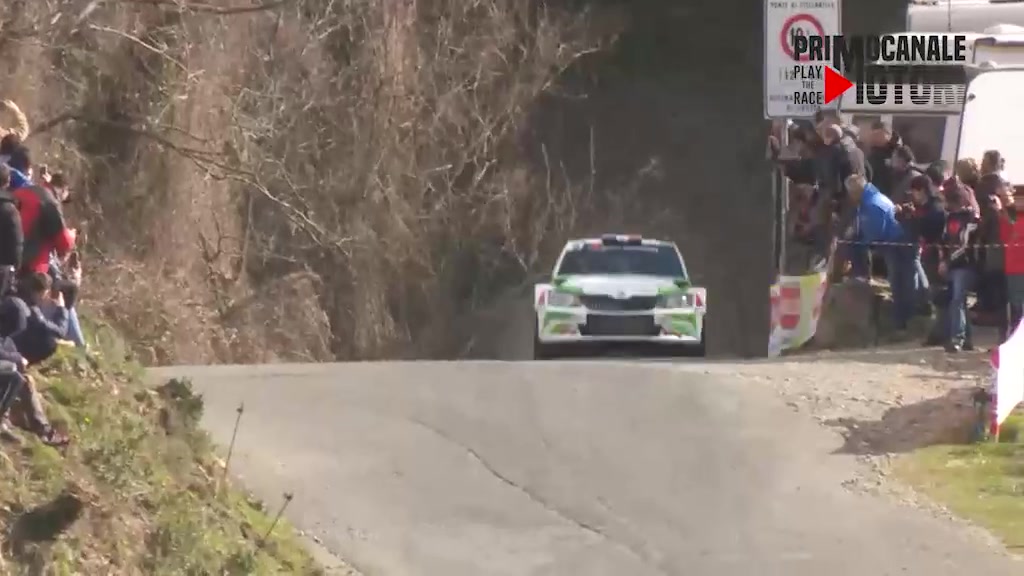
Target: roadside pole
(793, 88)
(784, 201)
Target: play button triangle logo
(835, 84)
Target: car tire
(543, 351)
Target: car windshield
(647, 260)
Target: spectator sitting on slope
(47, 322)
(12, 386)
(44, 330)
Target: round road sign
(799, 25)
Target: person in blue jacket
(877, 226)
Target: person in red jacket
(42, 222)
(1011, 234)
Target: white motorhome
(931, 130)
(963, 15)
(993, 119)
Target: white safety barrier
(1008, 378)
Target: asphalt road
(565, 469)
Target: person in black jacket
(837, 159)
(12, 238)
(47, 321)
(881, 144)
(14, 313)
(904, 170)
(959, 263)
(924, 219)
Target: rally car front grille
(599, 325)
(609, 304)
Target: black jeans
(11, 385)
(1008, 315)
(991, 291)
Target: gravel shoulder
(885, 403)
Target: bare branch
(139, 41)
(211, 9)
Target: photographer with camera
(66, 272)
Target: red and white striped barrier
(796, 306)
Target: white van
(963, 15)
(993, 119)
(931, 131)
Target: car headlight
(675, 301)
(563, 299)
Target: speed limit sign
(799, 25)
(784, 22)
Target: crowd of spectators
(40, 273)
(938, 233)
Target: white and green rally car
(618, 288)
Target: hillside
(139, 490)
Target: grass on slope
(983, 482)
(139, 489)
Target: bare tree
(369, 151)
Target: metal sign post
(784, 201)
(786, 79)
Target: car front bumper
(665, 326)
